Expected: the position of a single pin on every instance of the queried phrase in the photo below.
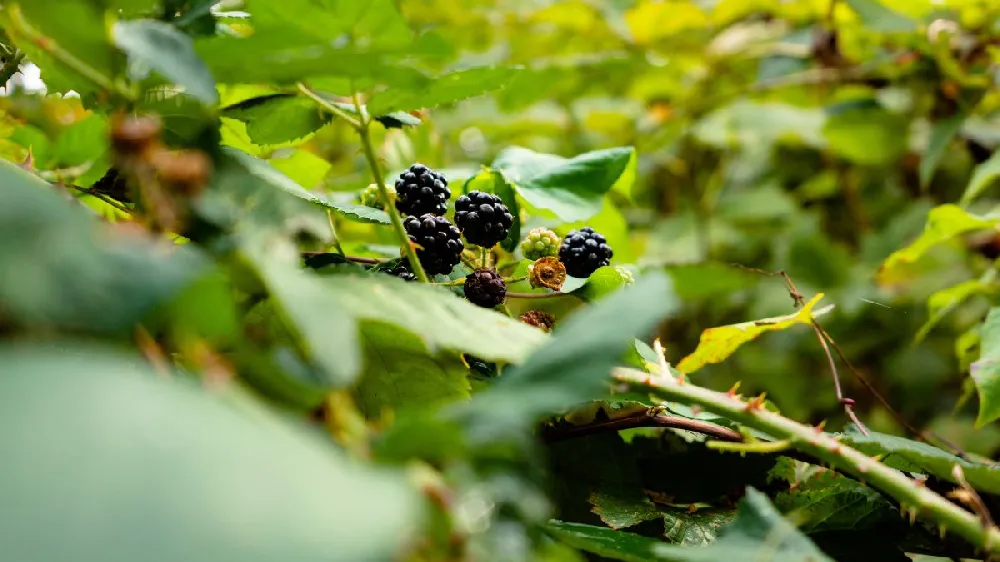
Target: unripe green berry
(626, 275)
(370, 196)
(540, 243)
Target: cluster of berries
(421, 195)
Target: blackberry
(401, 270)
(482, 218)
(540, 243)
(440, 242)
(583, 251)
(420, 190)
(485, 288)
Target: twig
(511, 295)
(912, 497)
(103, 197)
(333, 232)
(847, 402)
(648, 418)
(355, 259)
(923, 435)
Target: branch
(912, 498)
(364, 131)
(648, 418)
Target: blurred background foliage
(809, 136)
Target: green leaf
(285, 59)
(161, 47)
(324, 312)
(758, 532)
(374, 22)
(195, 477)
(265, 171)
(82, 142)
(399, 373)
(986, 371)
(944, 222)
(831, 502)
(879, 18)
(444, 89)
(604, 281)
(941, 136)
(278, 118)
(302, 167)
(942, 302)
(865, 133)
(575, 366)
(983, 176)
(604, 542)
(571, 188)
(60, 269)
(695, 529)
(913, 456)
(602, 471)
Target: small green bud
(370, 197)
(540, 243)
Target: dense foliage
(552, 280)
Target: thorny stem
(364, 131)
(912, 497)
(21, 27)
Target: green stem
(364, 132)
(333, 232)
(912, 497)
(20, 26)
(511, 295)
(327, 105)
(484, 260)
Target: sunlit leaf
(570, 188)
(445, 89)
(986, 371)
(717, 344)
(944, 222)
(878, 17)
(983, 176)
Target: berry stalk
(363, 128)
(913, 498)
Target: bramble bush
(479, 280)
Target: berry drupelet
(583, 251)
(420, 190)
(483, 218)
(440, 242)
(485, 288)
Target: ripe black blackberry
(485, 288)
(401, 270)
(483, 218)
(583, 251)
(421, 190)
(440, 242)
